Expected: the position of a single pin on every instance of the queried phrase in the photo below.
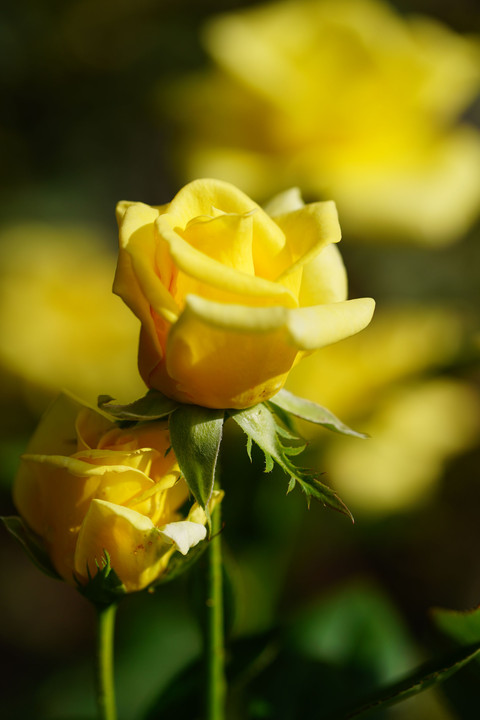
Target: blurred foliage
(319, 609)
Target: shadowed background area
(358, 102)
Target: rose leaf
(196, 434)
(311, 412)
(31, 543)
(261, 427)
(153, 406)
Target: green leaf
(196, 434)
(261, 426)
(313, 488)
(462, 626)
(153, 406)
(105, 587)
(31, 543)
(423, 678)
(355, 627)
(310, 411)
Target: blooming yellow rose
(86, 486)
(230, 296)
(346, 99)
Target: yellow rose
(350, 378)
(346, 99)
(418, 417)
(60, 325)
(230, 297)
(416, 429)
(86, 486)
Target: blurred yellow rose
(345, 99)
(390, 382)
(402, 343)
(230, 297)
(61, 327)
(86, 486)
(415, 430)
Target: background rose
(418, 415)
(230, 297)
(96, 487)
(59, 322)
(347, 99)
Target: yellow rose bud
(86, 487)
(230, 296)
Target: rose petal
(307, 231)
(184, 534)
(136, 279)
(201, 196)
(138, 552)
(311, 328)
(213, 275)
(226, 238)
(324, 279)
(235, 356)
(284, 202)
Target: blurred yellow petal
(61, 327)
(432, 197)
(90, 426)
(416, 430)
(347, 99)
(349, 377)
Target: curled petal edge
(307, 328)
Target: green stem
(216, 686)
(104, 662)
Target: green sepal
(424, 678)
(196, 434)
(261, 426)
(152, 406)
(31, 543)
(103, 588)
(461, 626)
(311, 412)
